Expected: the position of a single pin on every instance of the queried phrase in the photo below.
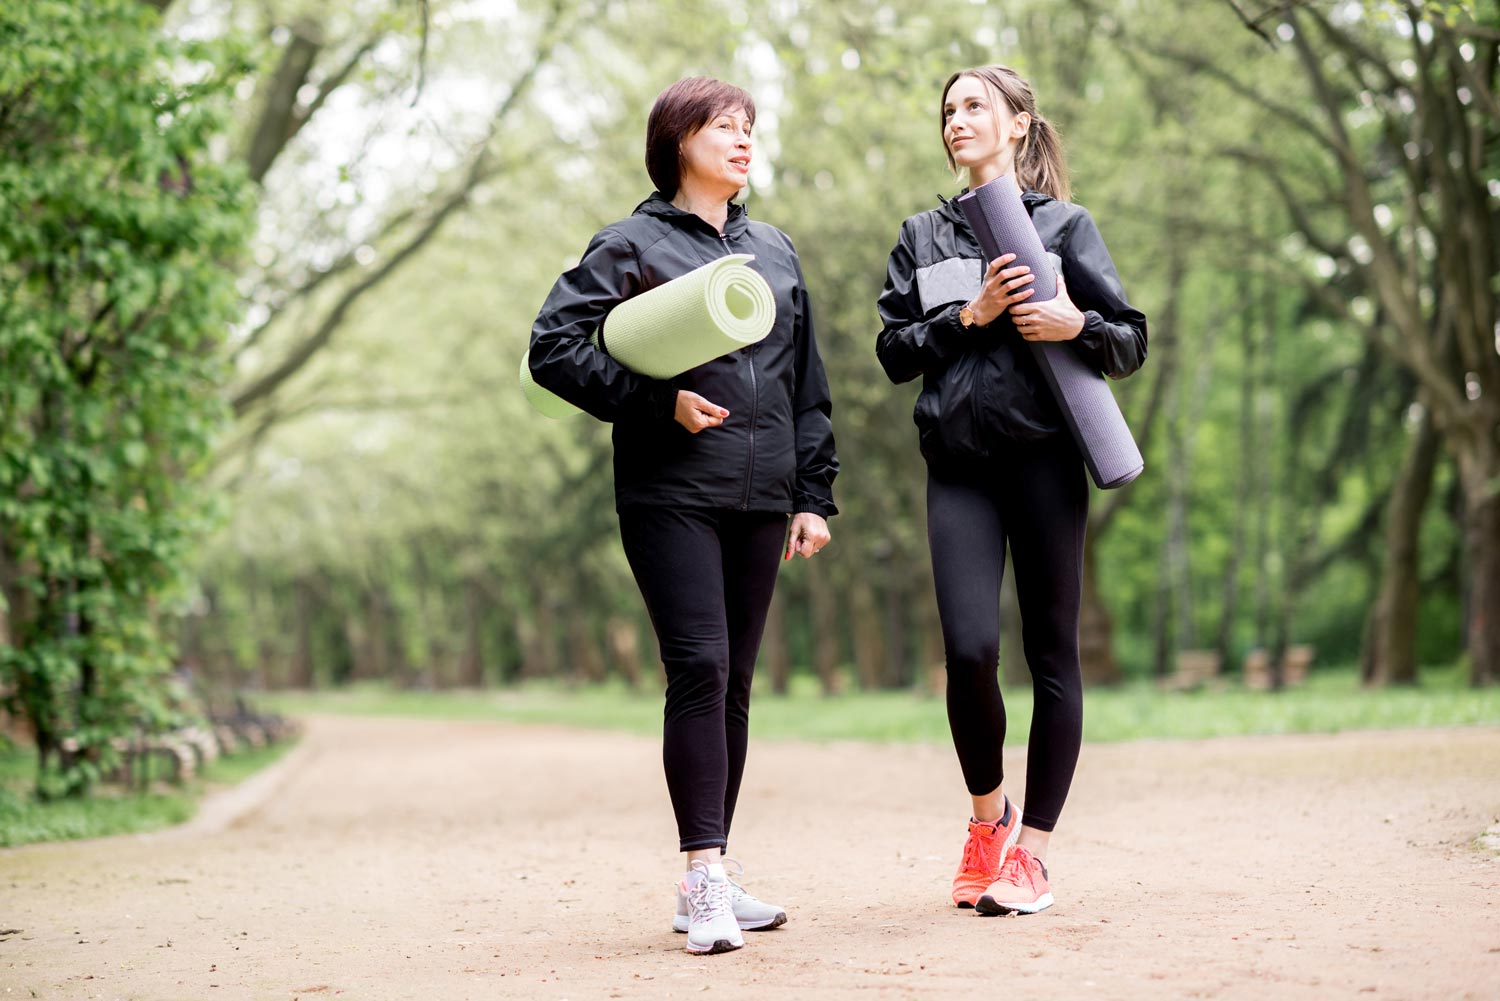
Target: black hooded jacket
(980, 386)
(775, 450)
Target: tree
(1408, 135)
(115, 294)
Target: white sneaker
(709, 919)
(749, 913)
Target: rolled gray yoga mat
(1003, 226)
(709, 312)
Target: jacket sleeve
(812, 413)
(1113, 339)
(912, 343)
(565, 361)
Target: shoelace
(1018, 865)
(977, 857)
(736, 891)
(708, 900)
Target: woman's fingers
(807, 535)
(695, 413)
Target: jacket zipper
(754, 405)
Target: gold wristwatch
(966, 315)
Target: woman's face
(978, 125)
(717, 156)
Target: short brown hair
(679, 111)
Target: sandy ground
(401, 859)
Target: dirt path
(425, 860)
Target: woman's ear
(1020, 125)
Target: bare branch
(275, 124)
(303, 352)
(1252, 25)
(422, 7)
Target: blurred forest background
(354, 209)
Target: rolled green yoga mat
(707, 313)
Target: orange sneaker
(1021, 887)
(984, 853)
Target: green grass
(23, 819)
(1331, 701)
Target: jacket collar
(1029, 198)
(657, 205)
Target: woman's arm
(565, 361)
(812, 413)
(1113, 339)
(913, 341)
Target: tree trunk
(1095, 629)
(898, 666)
(1480, 469)
(1229, 609)
(1390, 644)
(301, 674)
(625, 648)
(471, 672)
(823, 604)
(773, 644)
(870, 667)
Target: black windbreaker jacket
(981, 387)
(775, 450)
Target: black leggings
(707, 578)
(1035, 497)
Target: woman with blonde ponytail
(1002, 468)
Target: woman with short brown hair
(709, 466)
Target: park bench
(1294, 666)
(1194, 670)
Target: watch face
(966, 316)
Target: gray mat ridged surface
(707, 313)
(1003, 226)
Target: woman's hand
(1054, 320)
(1003, 287)
(809, 533)
(695, 413)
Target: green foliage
(26, 818)
(1330, 702)
(408, 517)
(114, 295)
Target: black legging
(707, 578)
(1035, 497)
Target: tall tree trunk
(823, 604)
(1390, 642)
(773, 646)
(1479, 468)
(471, 673)
(898, 667)
(625, 648)
(1229, 608)
(1095, 629)
(302, 668)
(870, 668)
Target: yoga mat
(1003, 226)
(705, 314)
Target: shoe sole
(680, 923)
(989, 907)
(720, 945)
